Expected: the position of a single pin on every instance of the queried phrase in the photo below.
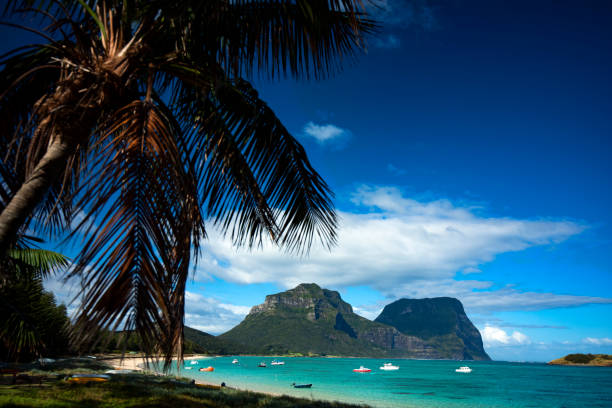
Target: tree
(32, 324)
(137, 116)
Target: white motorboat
(235, 361)
(274, 362)
(194, 362)
(389, 367)
(463, 369)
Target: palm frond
(255, 177)
(300, 38)
(135, 263)
(41, 262)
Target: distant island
(599, 360)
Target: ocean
(418, 383)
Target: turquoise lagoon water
(418, 383)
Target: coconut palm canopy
(134, 125)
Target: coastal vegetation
(601, 360)
(133, 127)
(45, 386)
(32, 324)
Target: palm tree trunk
(32, 191)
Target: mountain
(197, 342)
(440, 322)
(310, 320)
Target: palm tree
(134, 122)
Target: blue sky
(470, 154)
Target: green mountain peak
(311, 320)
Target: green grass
(136, 391)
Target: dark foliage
(138, 116)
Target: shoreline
(140, 364)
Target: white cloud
(388, 42)
(404, 13)
(64, 291)
(605, 341)
(325, 134)
(404, 247)
(477, 296)
(494, 337)
(396, 170)
(210, 315)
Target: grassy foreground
(46, 388)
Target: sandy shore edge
(139, 363)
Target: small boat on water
(301, 385)
(389, 367)
(235, 361)
(463, 369)
(194, 362)
(362, 369)
(262, 364)
(207, 369)
(274, 362)
(188, 368)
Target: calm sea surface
(418, 383)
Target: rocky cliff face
(312, 320)
(317, 302)
(439, 322)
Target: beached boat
(389, 367)
(208, 386)
(207, 369)
(262, 364)
(235, 361)
(274, 362)
(121, 371)
(301, 385)
(362, 369)
(87, 378)
(463, 369)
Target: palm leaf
(255, 176)
(135, 263)
(40, 262)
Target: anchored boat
(389, 367)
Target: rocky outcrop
(440, 322)
(315, 321)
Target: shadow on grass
(136, 391)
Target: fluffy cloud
(210, 315)
(404, 247)
(494, 336)
(325, 134)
